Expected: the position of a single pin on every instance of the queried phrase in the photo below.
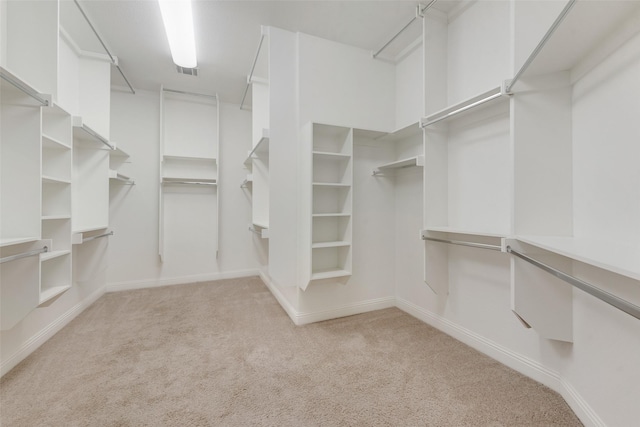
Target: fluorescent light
(178, 24)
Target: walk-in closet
(307, 213)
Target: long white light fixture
(178, 24)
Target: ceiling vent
(188, 71)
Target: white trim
(516, 361)
(143, 284)
(282, 300)
(582, 409)
(346, 310)
(508, 357)
(32, 344)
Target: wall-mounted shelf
(178, 180)
(490, 97)
(20, 92)
(335, 244)
(323, 155)
(82, 132)
(329, 274)
(53, 254)
(400, 164)
(115, 175)
(262, 147)
(17, 240)
(54, 180)
(611, 256)
(49, 142)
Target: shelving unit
(20, 159)
(119, 158)
(331, 202)
(189, 170)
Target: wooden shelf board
(454, 230)
(468, 105)
(404, 163)
(8, 241)
(335, 244)
(53, 254)
(54, 180)
(52, 292)
(54, 217)
(329, 274)
(612, 256)
(53, 143)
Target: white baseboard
(299, 318)
(515, 361)
(47, 332)
(143, 284)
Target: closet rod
(541, 45)
(88, 239)
(113, 61)
(419, 13)
(191, 93)
(24, 255)
(462, 109)
(611, 299)
(461, 243)
(13, 80)
(253, 67)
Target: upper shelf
(491, 97)
(617, 258)
(17, 91)
(82, 132)
(261, 147)
(581, 32)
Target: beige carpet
(225, 354)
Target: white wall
(133, 250)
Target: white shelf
(82, 132)
(21, 92)
(405, 163)
(574, 40)
(181, 180)
(53, 292)
(118, 152)
(53, 180)
(611, 256)
(114, 174)
(261, 147)
(53, 217)
(331, 185)
(331, 215)
(490, 97)
(329, 274)
(53, 254)
(261, 225)
(53, 143)
(325, 155)
(89, 228)
(335, 244)
(454, 230)
(17, 240)
(202, 159)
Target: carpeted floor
(225, 354)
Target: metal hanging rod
(461, 243)
(542, 43)
(611, 299)
(204, 95)
(113, 61)
(253, 67)
(88, 239)
(24, 255)
(13, 80)
(419, 14)
(475, 103)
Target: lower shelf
(329, 274)
(50, 293)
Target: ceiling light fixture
(178, 24)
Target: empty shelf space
(329, 274)
(53, 143)
(182, 180)
(326, 155)
(399, 164)
(335, 244)
(608, 255)
(52, 292)
(54, 180)
(8, 241)
(330, 215)
(194, 158)
(491, 97)
(331, 185)
(55, 217)
(53, 254)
